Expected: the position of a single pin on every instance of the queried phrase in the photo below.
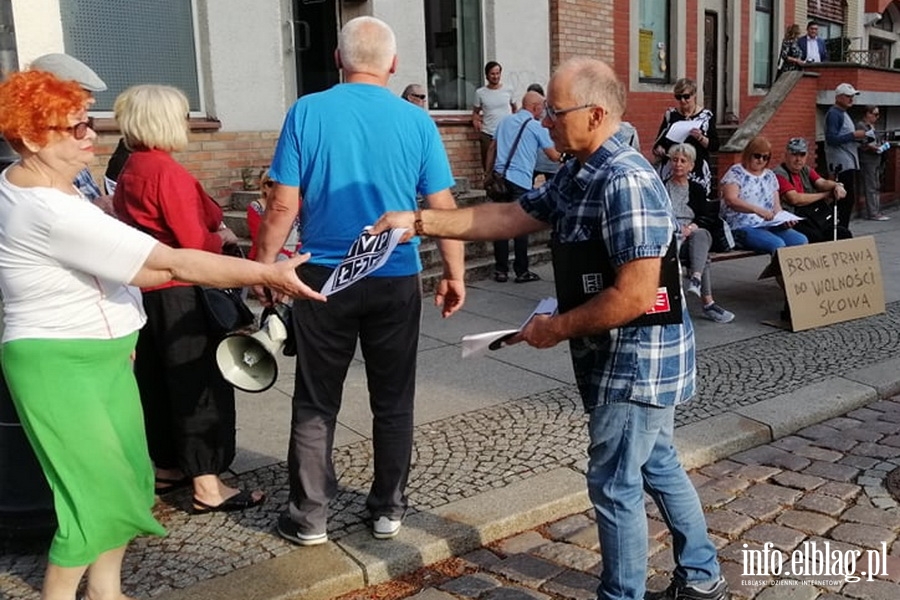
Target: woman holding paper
(691, 124)
(751, 204)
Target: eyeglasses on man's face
(762, 157)
(800, 154)
(682, 96)
(554, 113)
(79, 130)
(417, 96)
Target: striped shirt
(617, 196)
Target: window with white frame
(453, 50)
(128, 43)
(653, 41)
(762, 43)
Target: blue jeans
(768, 240)
(631, 451)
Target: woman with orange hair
(71, 320)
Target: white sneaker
(288, 530)
(385, 528)
(693, 286)
(716, 313)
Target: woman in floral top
(791, 57)
(750, 201)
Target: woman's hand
(765, 213)
(687, 230)
(228, 236)
(698, 135)
(659, 151)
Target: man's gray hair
(367, 44)
(594, 82)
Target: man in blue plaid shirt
(630, 376)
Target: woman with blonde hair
(189, 409)
(791, 57)
(752, 206)
(703, 136)
(71, 320)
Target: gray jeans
(869, 165)
(696, 248)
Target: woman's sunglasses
(682, 96)
(79, 130)
(764, 157)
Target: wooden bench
(732, 255)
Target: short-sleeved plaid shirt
(85, 183)
(617, 196)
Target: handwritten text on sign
(832, 282)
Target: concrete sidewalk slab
(808, 405)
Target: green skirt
(79, 406)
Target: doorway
(711, 61)
(315, 27)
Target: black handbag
(225, 309)
(495, 183)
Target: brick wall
(214, 158)
(582, 28)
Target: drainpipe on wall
(9, 58)
(9, 62)
(729, 118)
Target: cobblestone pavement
(799, 505)
(465, 455)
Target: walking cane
(834, 216)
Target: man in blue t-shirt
(513, 153)
(346, 155)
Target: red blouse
(158, 196)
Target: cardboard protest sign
(831, 282)
(367, 254)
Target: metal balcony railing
(867, 58)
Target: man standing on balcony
(349, 167)
(812, 48)
(842, 148)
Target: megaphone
(247, 360)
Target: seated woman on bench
(689, 201)
(752, 206)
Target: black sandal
(527, 276)
(501, 277)
(240, 501)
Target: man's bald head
(533, 102)
(592, 81)
(367, 45)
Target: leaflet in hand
(478, 343)
(780, 218)
(367, 254)
(680, 130)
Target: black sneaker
(679, 590)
